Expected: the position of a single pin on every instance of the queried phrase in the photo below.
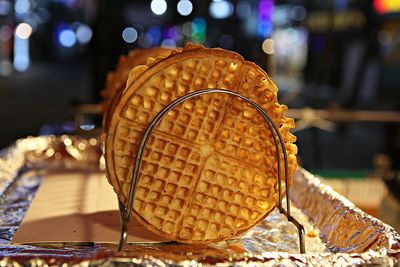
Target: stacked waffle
(116, 80)
(209, 170)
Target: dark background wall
(338, 54)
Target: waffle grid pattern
(204, 174)
(227, 197)
(125, 150)
(180, 122)
(168, 176)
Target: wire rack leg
(300, 229)
(124, 223)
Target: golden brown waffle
(116, 80)
(209, 170)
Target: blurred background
(336, 63)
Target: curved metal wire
(126, 212)
(124, 225)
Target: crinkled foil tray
(351, 236)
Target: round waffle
(209, 170)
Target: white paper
(77, 207)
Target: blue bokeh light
(22, 6)
(220, 9)
(155, 33)
(185, 7)
(130, 35)
(84, 34)
(67, 38)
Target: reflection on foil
(343, 226)
(14, 203)
(12, 159)
(67, 152)
(276, 233)
(18, 181)
(274, 242)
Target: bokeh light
(169, 43)
(187, 29)
(199, 27)
(158, 7)
(21, 64)
(288, 53)
(268, 46)
(298, 13)
(129, 35)
(22, 6)
(220, 9)
(174, 33)
(155, 33)
(145, 40)
(265, 16)
(32, 22)
(21, 53)
(84, 34)
(87, 126)
(185, 7)
(5, 7)
(23, 30)
(67, 38)
(243, 9)
(43, 15)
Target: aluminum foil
(14, 203)
(12, 160)
(350, 237)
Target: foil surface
(14, 203)
(337, 232)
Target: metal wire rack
(126, 211)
